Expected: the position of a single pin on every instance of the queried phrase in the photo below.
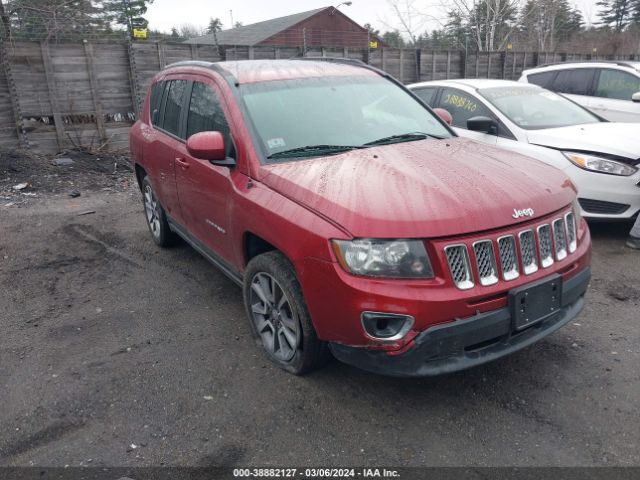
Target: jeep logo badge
(527, 212)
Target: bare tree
(411, 16)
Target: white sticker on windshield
(550, 96)
(276, 143)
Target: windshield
(320, 116)
(536, 108)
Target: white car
(610, 89)
(601, 158)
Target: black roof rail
(629, 64)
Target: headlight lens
(384, 258)
(599, 164)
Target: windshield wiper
(313, 150)
(403, 137)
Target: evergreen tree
(123, 12)
(215, 25)
(618, 14)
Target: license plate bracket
(533, 303)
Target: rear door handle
(182, 162)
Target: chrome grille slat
(508, 257)
(459, 266)
(560, 238)
(528, 252)
(572, 237)
(546, 245)
(485, 262)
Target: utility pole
(231, 16)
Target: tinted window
(462, 106)
(426, 95)
(173, 106)
(576, 81)
(206, 114)
(617, 84)
(154, 104)
(542, 79)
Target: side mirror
(483, 124)
(208, 146)
(444, 115)
(636, 97)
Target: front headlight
(384, 258)
(600, 164)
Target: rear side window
(426, 95)
(206, 114)
(576, 81)
(617, 84)
(542, 79)
(155, 102)
(462, 106)
(173, 106)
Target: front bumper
(467, 342)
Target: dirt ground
(114, 352)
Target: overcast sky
(164, 14)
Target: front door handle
(182, 162)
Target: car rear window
(173, 106)
(425, 94)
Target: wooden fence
(60, 96)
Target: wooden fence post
(433, 65)
(13, 94)
(161, 58)
(463, 64)
(448, 64)
(97, 105)
(133, 78)
(401, 76)
(53, 95)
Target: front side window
(335, 111)
(173, 106)
(617, 84)
(575, 81)
(155, 102)
(535, 108)
(462, 106)
(206, 114)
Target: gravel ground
(117, 353)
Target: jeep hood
(428, 188)
(621, 139)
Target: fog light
(386, 326)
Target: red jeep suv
(354, 219)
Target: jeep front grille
(486, 262)
(544, 239)
(572, 238)
(528, 251)
(560, 239)
(508, 257)
(460, 266)
(535, 248)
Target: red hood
(429, 188)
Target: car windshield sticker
(276, 143)
(461, 102)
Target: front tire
(156, 216)
(279, 317)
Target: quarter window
(576, 81)
(426, 95)
(206, 114)
(155, 102)
(173, 106)
(542, 79)
(617, 84)
(462, 106)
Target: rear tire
(156, 217)
(279, 317)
